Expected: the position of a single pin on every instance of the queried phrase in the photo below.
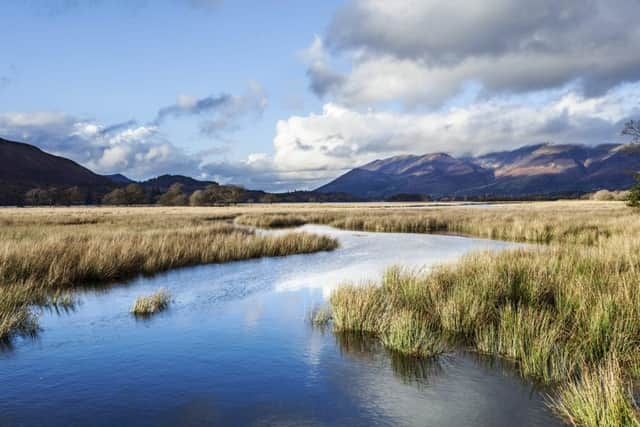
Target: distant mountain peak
(118, 178)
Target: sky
(283, 95)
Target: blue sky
(288, 94)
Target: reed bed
(44, 252)
(148, 305)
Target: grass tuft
(151, 304)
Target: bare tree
(632, 129)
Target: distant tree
(72, 196)
(135, 194)
(216, 194)
(198, 198)
(632, 129)
(409, 197)
(174, 196)
(269, 198)
(38, 197)
(634, 193)
(116, 197)
(232, 194)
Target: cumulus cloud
(425, 51)
(130, 148)
(141, 150)
(218, 114)
(261, 171)
(340, 138)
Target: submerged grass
(151, 304)
(46, 253)
(320, 316)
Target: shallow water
(234, 349)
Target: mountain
(119, 179)
(28, 165)
(161, 184)
(435, 174)
(542, 169)
(24, 167)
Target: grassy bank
(45, 251)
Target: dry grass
(46, 251)
(545, 222)
(151, 304)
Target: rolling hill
(29, 175)
(23, 167)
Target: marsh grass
(46, 254)
(599, 398)
(151, 304)
(406, 333)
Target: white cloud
(320, 146)
(130, 148)
(218, 114)
(426, 51)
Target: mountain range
(533, 170)
(542, 170)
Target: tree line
(175, 195)
(212, 195)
